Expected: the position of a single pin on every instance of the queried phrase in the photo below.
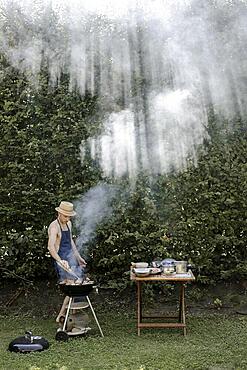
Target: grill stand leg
(67, 313)
(94, 315)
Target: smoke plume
(156, 65)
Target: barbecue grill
(75, 292)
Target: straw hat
(66, 208)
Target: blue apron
(66, 253)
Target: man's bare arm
(52, 246)
(77, 254)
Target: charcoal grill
(74, 292)
(77, 290)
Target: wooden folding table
(181, 280)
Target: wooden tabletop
(162, 277)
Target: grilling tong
(69, 270)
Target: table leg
(139, 308)
(182, 306)
(180, 303)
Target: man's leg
(63, 309)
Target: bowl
(168, 262)
(141, 272)
(141, 265)
(168, 269)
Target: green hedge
(198, 214)
(41, 131)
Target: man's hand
(64, 264)
(82, 262)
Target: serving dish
(155, 270)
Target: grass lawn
(213, 342)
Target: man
(61, 245)
(68, 262)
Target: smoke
(116, 148)
(92, 209)
(156, 66)
(164, 147)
